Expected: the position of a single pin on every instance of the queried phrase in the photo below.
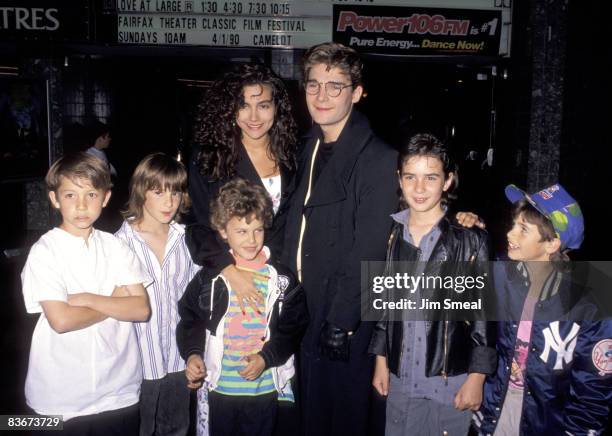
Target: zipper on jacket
(445, 361)
(273, 295)
(388, 268)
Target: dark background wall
(586, 153)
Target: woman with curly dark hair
(244, 128)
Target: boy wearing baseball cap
(554, 372)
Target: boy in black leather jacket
(432, 372)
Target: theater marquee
(281, 24)
(380, 26)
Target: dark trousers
(336, 396)
(242, 415)
(288, 415)
(120, 422)
(164, 406)
(287, 419)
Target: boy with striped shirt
(243, 357)
(158, 195)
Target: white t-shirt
(94, 369)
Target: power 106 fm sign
(418, 31)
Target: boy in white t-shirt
(88, 286)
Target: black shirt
(326, 151)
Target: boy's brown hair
(426, 144)
(79, 166)
(335, 55)
(543, 224)
(238, 198)
(156, 171)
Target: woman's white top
(273, 186)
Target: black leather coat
(453, 347)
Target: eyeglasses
(332, 89)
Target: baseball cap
(559, 207)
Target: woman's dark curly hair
(218, 136)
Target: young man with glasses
(340, 216)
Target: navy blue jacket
(568, 375)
